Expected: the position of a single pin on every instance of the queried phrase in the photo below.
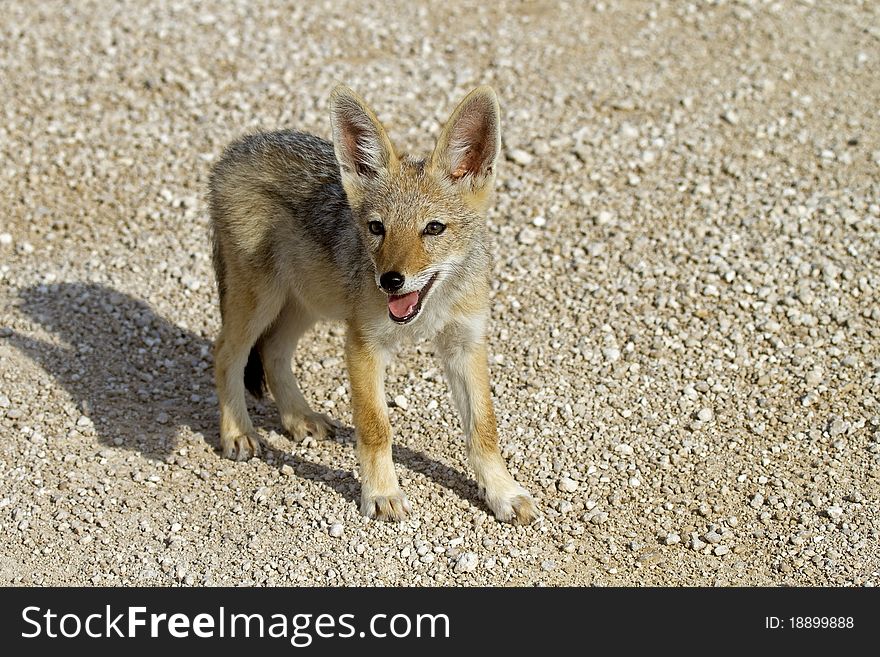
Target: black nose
(391, 281)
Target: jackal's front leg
(381, 496)
(467, 370)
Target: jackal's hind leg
(246, 316)
(276, 350)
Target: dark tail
(254, 376)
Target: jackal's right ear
(361, 143)
(467, 149)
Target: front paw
(393, 508)
(514, 504)
(241, 447)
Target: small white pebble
(612, 354)
(527, 236)
(520, 156)
(838, 427)
(814, 377)
(604, 218)
(567, 485)
(466, 563)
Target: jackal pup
(393, 245)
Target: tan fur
(381, 495)
(292, 245)
(405, 255)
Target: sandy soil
(685, 341)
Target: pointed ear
(362, 146)
(467, 149)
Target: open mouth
(403, 308)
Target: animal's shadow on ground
(139, 378)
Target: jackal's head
(421, 219)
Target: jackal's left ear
(467, 149)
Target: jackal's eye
(376, 227)
(434, 228)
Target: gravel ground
(685, 342)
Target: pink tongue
(402, 306)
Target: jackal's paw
(513, 505)
(394, 507)
(316, 425)
(241, 447)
